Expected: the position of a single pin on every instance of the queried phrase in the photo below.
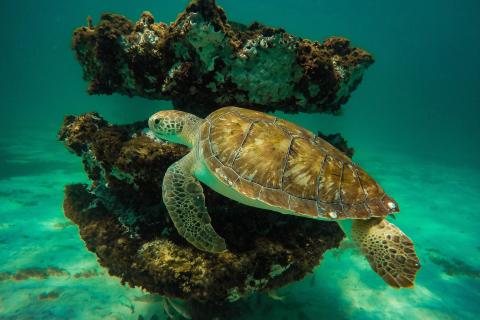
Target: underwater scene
(220, 159)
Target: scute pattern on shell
(286, 166)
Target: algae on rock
(123, 221)
(202, 61)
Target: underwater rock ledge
(123, 221)
(202, 62)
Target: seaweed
(452, 266)
(33, 273)
(49, 296)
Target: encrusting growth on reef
(338, 141)
(122, 219)
(202, 61)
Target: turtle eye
(157, 121)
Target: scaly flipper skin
(388, 250)
(185, 202)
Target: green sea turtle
(267, 162)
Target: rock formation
(123, 220)
(202, 61)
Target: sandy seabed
(47, 273)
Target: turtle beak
(150, 122)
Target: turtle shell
(288, 167)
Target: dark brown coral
(202, 61)
(338, 141)
(122, 219)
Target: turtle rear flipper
(388, 250)
(185, 202)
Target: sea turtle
(267, 162)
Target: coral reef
(338, 141)
(202, 61)
(122, 219)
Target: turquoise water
(414, 122)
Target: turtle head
(175, 126)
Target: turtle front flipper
(388, 250)
(185, 202)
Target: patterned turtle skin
(267, 162)
(286, 166)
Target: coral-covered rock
(202, 62)
(122, 219)
(338, 141)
